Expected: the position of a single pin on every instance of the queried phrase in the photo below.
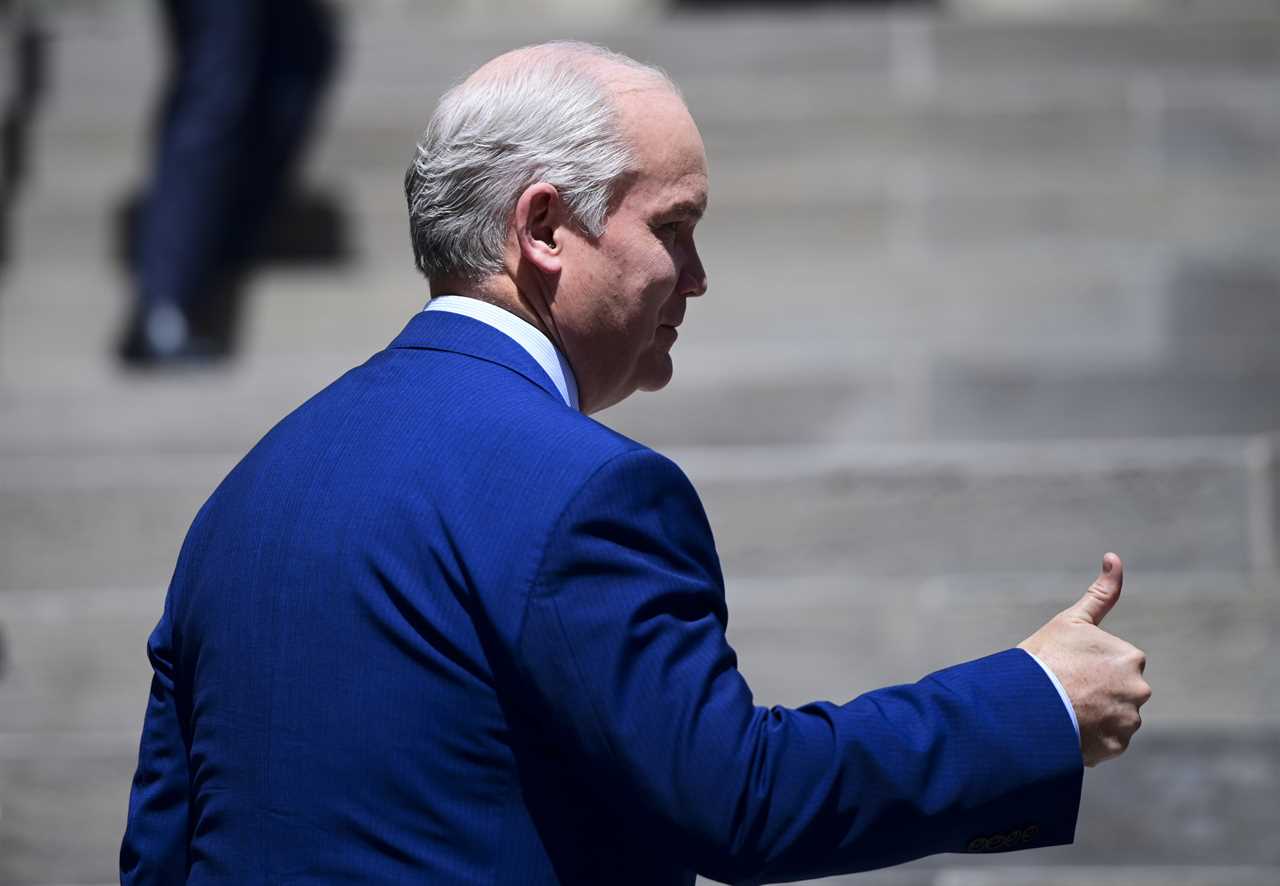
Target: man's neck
(538, 346)
(501, 292)
(526, 302)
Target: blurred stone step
(116, 520)
(99, 521)
(98, 409)
(1212, 638)
(941, 400)
(1110, 142)
(402, 57)
(1185, 797)
(307, 324)
(890, 354)
(1166, 45)
(908, 54)
(805, 61)
(827, 231)
(712, 403)
(1019, 870)
(75, 661)
(731, 396)
(994, 302)
(853, 158)
(1002, 403)
(1013, 296)
(1139, 874)
(959, 508)
(64, 802)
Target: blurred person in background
(22, 80)
(440, 626)
(247, 78)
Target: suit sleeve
(154, 849)
(623, 644)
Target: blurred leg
(24, 40)
(190, 209)
(299, 56)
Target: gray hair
(548, 118)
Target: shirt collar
(529, 337)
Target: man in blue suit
(439, 626)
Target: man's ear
(540, 215)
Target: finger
(1102, 594)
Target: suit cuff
(1062, 693)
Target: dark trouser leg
(189, 211)
(248, 76)
(299, 57)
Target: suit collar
(525, 334)
(455, 333)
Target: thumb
(1102, 594)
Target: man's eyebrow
(687, 208)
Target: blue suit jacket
(437, 627)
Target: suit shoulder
(429, 422)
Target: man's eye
(668, 231)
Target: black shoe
(159, 336)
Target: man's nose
(695, 278)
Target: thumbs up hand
(1101, 674)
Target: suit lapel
(445, 331)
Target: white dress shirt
(557, 367)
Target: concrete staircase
(988, 298)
